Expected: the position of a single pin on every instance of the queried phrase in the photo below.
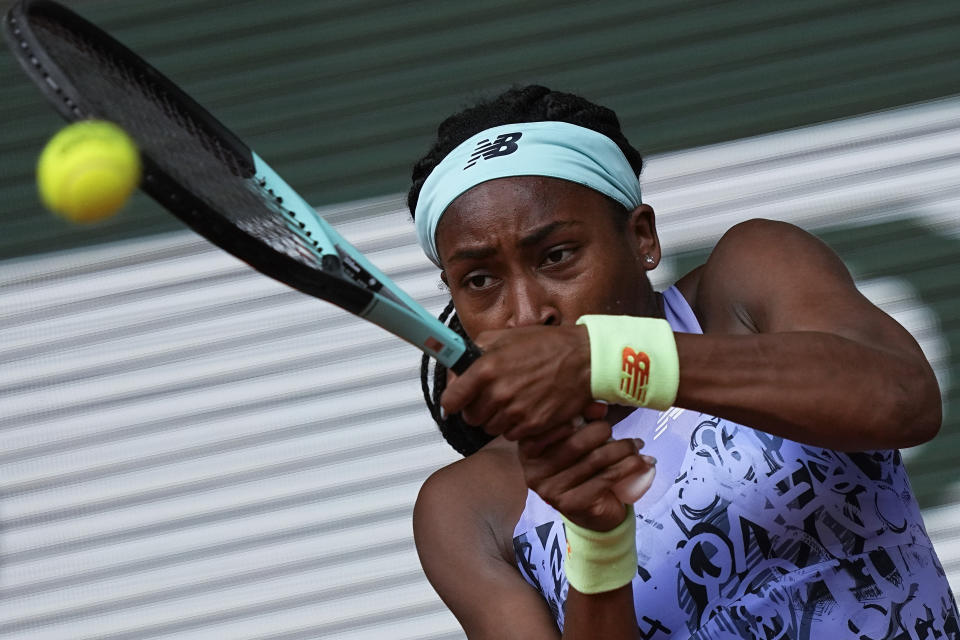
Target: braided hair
(531, 103)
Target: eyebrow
(538, 235)
(529, 240)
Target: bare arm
(464, 562)
(462, 544)
(791, 347)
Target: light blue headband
(551, 149)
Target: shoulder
(480, 498)
(463, 526)
(756, 263)
(762, 239)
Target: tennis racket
(205, 175)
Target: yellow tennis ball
(88, 171)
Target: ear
(643, 233)
(443, 276)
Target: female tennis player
(781, 510)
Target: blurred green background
(341, 97)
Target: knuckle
(514, 413)
(483, 366)
(501, 395)
(535, 423)
(482, 372)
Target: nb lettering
(634, 375)
(502, 145)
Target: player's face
(530, 250)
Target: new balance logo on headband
(502, 145)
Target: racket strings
(200, 172)
(123, 76)
(27, 54)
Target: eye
(557, 255)
(478, 281)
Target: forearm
(816, 388)
(608, 615)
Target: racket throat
(352, 269)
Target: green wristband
(599, 561)
(633, 361)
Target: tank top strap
(678, 312)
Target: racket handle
(467, 358)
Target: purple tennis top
(744, 534)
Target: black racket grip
(468, 358)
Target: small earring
(649, 259)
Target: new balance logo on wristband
(502, 145)
(634, 375)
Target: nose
(530, 304)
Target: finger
(532, 421)
(495, 409)
(564, 452)
(583, 498)
(597, 462)
(496, 423)
(534, 446)
(456, 396)
(632, 487)
(519, 416)
(480, 412)
(462, 389)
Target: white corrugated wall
(190, 450)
